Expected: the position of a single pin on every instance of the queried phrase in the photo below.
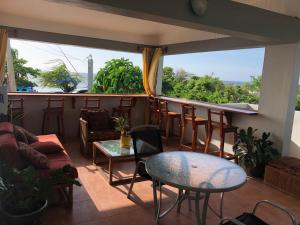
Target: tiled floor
(97, 203)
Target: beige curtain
(3, 46)
(150, 65)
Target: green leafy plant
(254, 153)
(60, 77)
(121, 124)
(118, 76)
(23, 73)
(24, 191)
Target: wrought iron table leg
(201, 216)
(158, 203)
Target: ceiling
(99, 27)
(68, 19)
(286, 7)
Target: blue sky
(234, 65)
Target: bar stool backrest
(92, 103)
(55, 103)
(153, 105)
(16, 103)
(163, 106)
(217, 118)
(127, 102)
(188, 112)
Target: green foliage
(60, 77)
(252, 151)
(23, 72)
(24, 191)
(118, 76)
(121, 124)
(208, 88)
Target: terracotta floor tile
(98, 203)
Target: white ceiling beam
(222, 17)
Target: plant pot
(125, 141)
(24, 219)
(257, 171)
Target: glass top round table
(196, 171)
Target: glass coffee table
(112, 151)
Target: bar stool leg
(182, 134)
(58, 125)
(222, 140)
(206, 138)
(63, 127)
(43, 123)
(209, 133)
(236, 160)
(194, 138)
(167, 129)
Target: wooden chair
(216, 120)
(125, 107)
(55, 108)
(153, 117)
(16, 107)
(189, 117)
(167, 119)
(92, 103)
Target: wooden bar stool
(55, 109)
(90, 103)
(153, 117)
(16, 107)
(217, 122)
(167, 119)
(189, 117)
(125, 107)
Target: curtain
(150, 65)
(3, 46)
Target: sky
(233, 65)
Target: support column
(12, 87)
(90, 73)
(159, 76)
(278, 92)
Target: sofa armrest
(84, 130)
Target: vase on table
(125, 141)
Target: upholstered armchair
(95, 126)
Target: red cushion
(6, 127)
(49, 137)
(9, 151)
(47, 147)
(31, 138)
(58, 161)
(36, 158)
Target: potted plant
(121, 124)
(254, 153)
(24, 193)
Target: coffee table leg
(94, 155)
(110, 171)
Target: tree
(119, 76)
(23, 72)
(209, 88)
(60, 77)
